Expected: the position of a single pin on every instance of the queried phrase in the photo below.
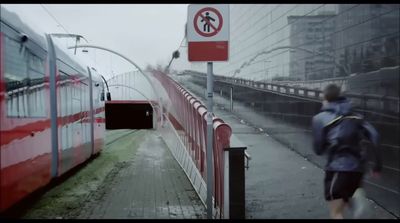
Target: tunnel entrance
(128, 115)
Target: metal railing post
(226, 184)
(231, 104)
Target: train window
(15, 64)
(24, 77)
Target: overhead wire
(55, 19)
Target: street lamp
(175, 55)
(131, 62)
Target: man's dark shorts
(341, 184)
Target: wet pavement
(149, 185)
(134, 177)
(280, 183)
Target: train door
(69, 106)
(77, 121)
(65, 113)
(86, 120)
(91, 113)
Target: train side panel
(74, 131)
(24, 115)
(39, 81)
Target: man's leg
(335, 185)
(360, 203)
(336, 208)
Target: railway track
(112, 136)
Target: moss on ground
(67, 197)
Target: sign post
(210, 134)
(208, 38)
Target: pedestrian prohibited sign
(208, 32)
(208, 22)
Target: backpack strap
(353, 117)
(334, 121)
(341, 117)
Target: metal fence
(187, 115)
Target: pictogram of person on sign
(207, 23)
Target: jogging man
(338, 132)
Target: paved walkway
(150, 185)
(280, 184)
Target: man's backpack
(346, 130)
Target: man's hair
(331, 92)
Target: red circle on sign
(197, 16)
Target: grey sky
(146, 33)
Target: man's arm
(371, 133)
(318, 136)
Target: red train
(51, 110)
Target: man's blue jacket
(338, 132)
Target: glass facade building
(308, 41)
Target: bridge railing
(188, 116)
(318, 84)
(382, 103)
